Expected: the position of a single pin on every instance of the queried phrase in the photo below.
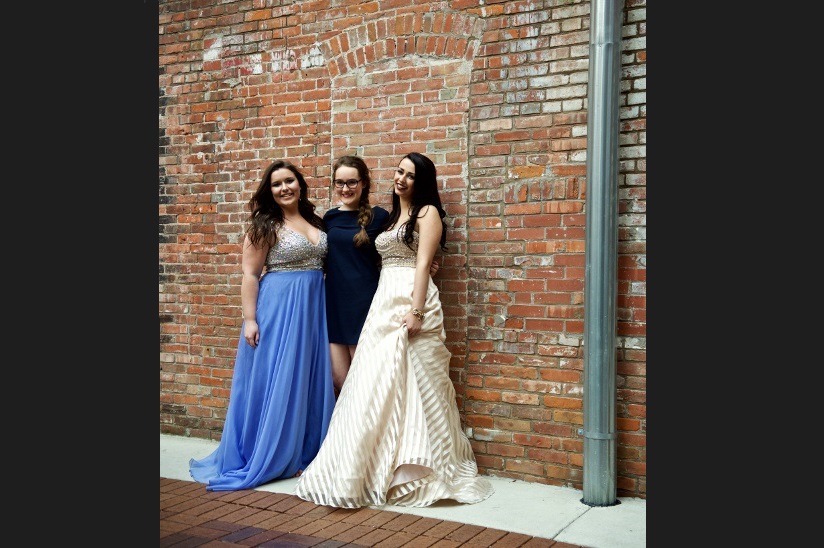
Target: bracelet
(418, 314)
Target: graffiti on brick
(284, 61)
(313, 59)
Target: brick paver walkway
(192, 516)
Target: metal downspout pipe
(603, 101)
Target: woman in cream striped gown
(395, 435)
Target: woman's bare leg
(341, 355)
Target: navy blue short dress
(351, 273)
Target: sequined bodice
(394, 251)
(294, 252)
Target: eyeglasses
(351, 183)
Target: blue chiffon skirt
(282, 397)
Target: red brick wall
(495, 94)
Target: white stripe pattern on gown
(395, 434)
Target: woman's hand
(413, 324)
(251, 332)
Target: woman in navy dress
(281, 396)
(352, 263)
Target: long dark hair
(266, 215)
(424, 192)
(364, 207)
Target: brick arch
(400, 84)
(436, 34)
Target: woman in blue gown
(281, 398)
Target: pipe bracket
(600, 435)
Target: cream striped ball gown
(395, 434)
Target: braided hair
(364, 207)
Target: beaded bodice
(294, 252)
(394, 251)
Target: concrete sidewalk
(537, 510)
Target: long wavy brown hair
(266, 215)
